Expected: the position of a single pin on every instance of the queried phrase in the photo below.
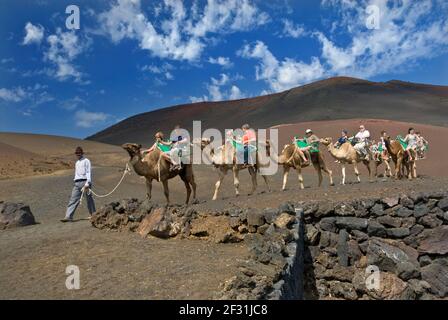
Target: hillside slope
(334, 98)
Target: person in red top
(249, 139)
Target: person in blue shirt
(343, 139)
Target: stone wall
(314, 250)
(405, 236)
(274, 238)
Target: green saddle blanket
(402, 142)
(301, 143)
(240, 146)
(163, 147)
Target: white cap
(308, 131)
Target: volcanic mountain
(330, 99)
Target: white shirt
(363, 135)
(83, 170)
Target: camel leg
(377, 164)
(329, 172)
(300, 177)
(190, 178)
(388, 171)
(414, 170)
(148, 188)
(285, 176)
(236, 180)
(166, 191)
(187, 186)
(367, 164)
(355, 166)
(266, 181)
(253, 175)
(343, 174)
(318, 169)
(222, 174)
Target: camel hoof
(332, 184)
(195, 201)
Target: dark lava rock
(407, 202)
(359, 235)
(407, 270)
(443, 204)
(376, 229)
(421, 210)
(287, 207)
(424, 260)
(351, 223)
(387, 255)
(254, 218)
(434, 241)
(328, 224)
(416, 229)
(397, 232)
(430, 221)
(270, 214)
(377, 210)
(324, 209)
(403, 212)
(389, 221)
(328, 239)
(436, 274)
(15, 215)
(342, 248)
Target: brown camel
(290, 158)
(155, 166)
(224, 159)
(346, 154)
(401, 159)
(379, 160)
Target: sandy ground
(123, 265)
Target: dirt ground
(125, 266)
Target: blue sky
(131, 56)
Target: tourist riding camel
(362, 142)
(411, 140)
(346, 154)
(380, 156)
(400, 159)
(225, 158)
(155, 165)
(293, 156)
(422, 146)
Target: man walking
(82, 182)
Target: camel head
(326, 141)
(132, 148)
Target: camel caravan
(241, 150)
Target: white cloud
(28, 97)
(292, 30)
(408, 31)
(73, 103)
(33, 34)
(164, 69)
(221, 89)
(86, 119)
(281, 75)
(64, 48)
(12, 95)
(222, 61)
(183, 34)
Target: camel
(155, 166)
(223, 159)
(401, 159)
(379, 162)
(290, 158)
(378, 159)
(346, 154)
